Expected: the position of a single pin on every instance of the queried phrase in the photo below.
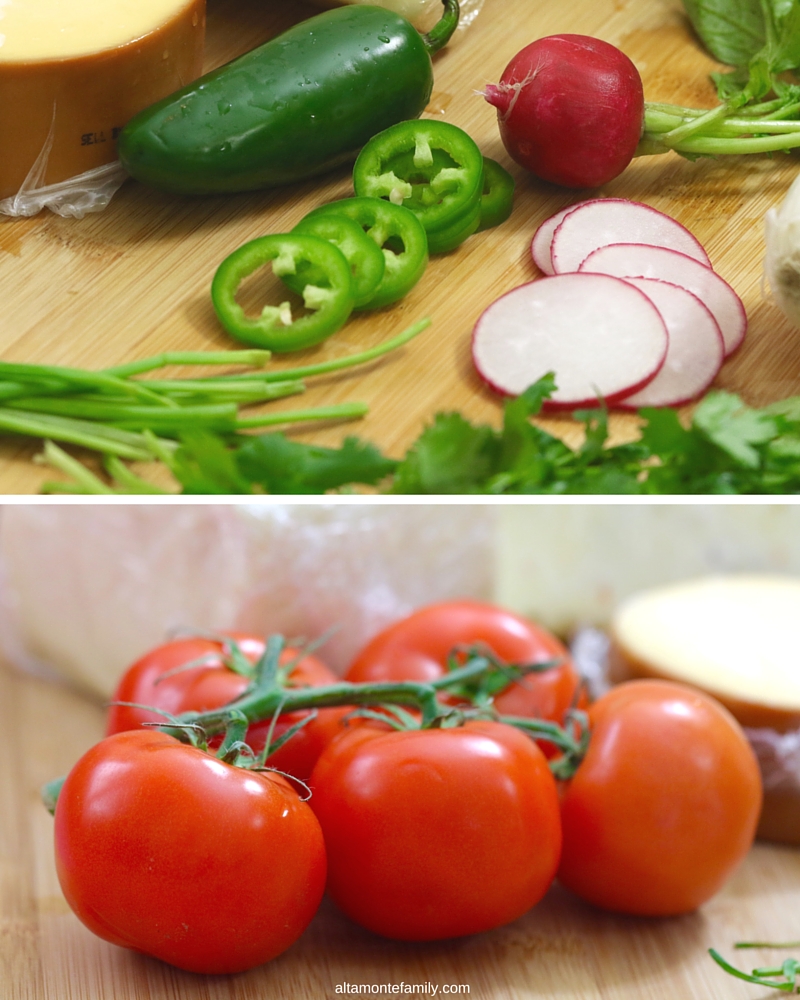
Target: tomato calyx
(480, 688)
(572, 738)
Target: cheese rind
(69, 108)
(734, 636)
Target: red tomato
(416, 648)
(164, 849)
(211, 685)
(436, 833)
(664, 806)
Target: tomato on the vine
(159, 679)
(664, 805)
(164, 849)
(436, 833)
(417, 648)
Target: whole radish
(570, 110)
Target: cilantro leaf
(204, 465)
(728, 448)
(450, 456)
(735, 428)
(280, 465)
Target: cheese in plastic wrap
(87, 588)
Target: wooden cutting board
(561, 950)
(134, 280)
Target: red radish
(696, 348)
(601, 337)
(632, 260)
(570, 109)
(603, 221)
(543, 237)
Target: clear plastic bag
(89, 588)
(72, 198)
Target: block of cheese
(73, 73)
(738, 638)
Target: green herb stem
(246, 392)
(250, 358)
(362, 358)
(218, 416)
(129, 481)
(78, 377)
(83, 479)
(342, 411)
(98, 437)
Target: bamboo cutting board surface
(561, 950)
(134, 280)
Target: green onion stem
(251, 358)
(98, 437)
(342, 411)
(337, 364)
(79, 377)
(83, 478)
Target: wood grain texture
(134, 280)
(561, 950)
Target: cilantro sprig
(726, 448)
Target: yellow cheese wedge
(73, 72)
(738, 638)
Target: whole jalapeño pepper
(293, 108)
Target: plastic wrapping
(72, 198)
(90, 588)
(778, 757)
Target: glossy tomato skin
(436, 833)
(164, 849)
(417, 647)
(664, 806)
(212, 684)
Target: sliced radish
(632, 260)
(543, 237)
(696, 348)
(604, 221)
(601, 337)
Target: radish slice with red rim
(634, 260)
(601, 336)
(603, 221)
(696, 348)
(543, 238)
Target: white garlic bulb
(782, 259)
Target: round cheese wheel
(736, 638)
(72, 74)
